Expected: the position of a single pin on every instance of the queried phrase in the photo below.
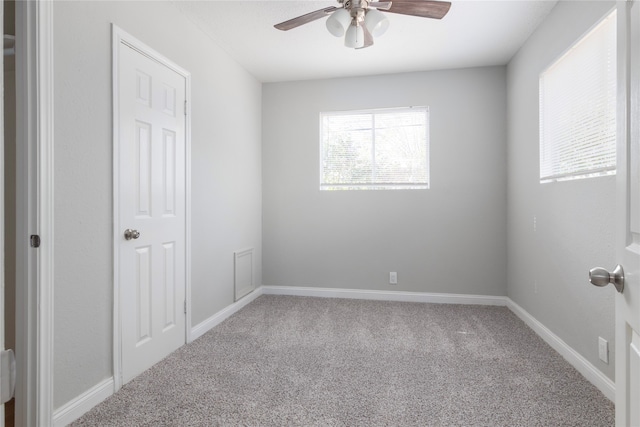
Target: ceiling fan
(360, 20)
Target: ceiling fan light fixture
(355, 36)
(338, 22)
(359, 21)
(376, 22)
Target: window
(578, 109)
(375, 149)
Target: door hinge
(34, 241)
(185, 307)
(7, 375)
(185, 107)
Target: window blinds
(578, 109)
(375, 149)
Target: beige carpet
(335, 362)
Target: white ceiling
(474, 33)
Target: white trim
(205, 326)
(385, 295)
(117, 353)
(82, 404)
(45, 210)
(2, 207)
(35, 201)
(74, 409)
(376, 184)
(79, 406)
(119, 36)
(187, 266)
(575, 359)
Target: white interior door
(628, 220)
(152, 204)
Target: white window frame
(375, 185)
(573, 152)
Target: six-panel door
(151, 202)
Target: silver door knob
(131, 234)
(600, 277)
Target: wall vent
(243, 276)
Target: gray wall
(450, 238)
(226, 175)
(548, 266)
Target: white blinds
(375, 149)
(578, 108)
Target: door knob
(600, 277)
(131, 234)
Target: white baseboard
(386, 295)
(77, 407)
(205, 326)
(582, 365)
(83, 403)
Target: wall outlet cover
(393, 278)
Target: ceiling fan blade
(368, 38)
(423, 8)
(380, 5)
(305, 19)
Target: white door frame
(34, 305)
(2, 206)
(120, 37)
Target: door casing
(2, 202)
(34, 200)
(120, 37)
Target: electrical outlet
(393, 278)
(603, 350)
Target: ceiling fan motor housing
(357, 8)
